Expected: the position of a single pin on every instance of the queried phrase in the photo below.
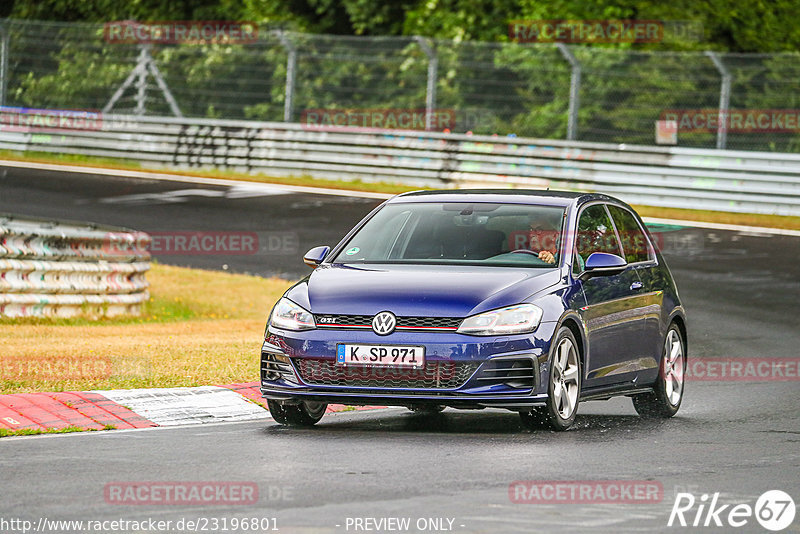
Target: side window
(595, 234)
(634, 242)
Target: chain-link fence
(532, 90)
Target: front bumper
(461, 371)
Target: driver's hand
(547, 256)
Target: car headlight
(290, 316)
(512, 320)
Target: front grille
(344, 320)
(428, 322)
(403, 323)
(435, 375)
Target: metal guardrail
(724, 180)
(57, 269)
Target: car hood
(434, 291)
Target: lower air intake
(435, 375)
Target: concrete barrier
(62, 269)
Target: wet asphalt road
(736, 438)
(286, 224)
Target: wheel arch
(574, 323)
(680, 322)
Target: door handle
(636, 286)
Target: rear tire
(564, 386)
(667, 395)
(304, 414)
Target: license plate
(381, 355)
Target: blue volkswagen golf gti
(532, 301)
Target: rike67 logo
(774, 510)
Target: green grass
(35, 431)
(186, 337)
(722, 217)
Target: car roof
(503, 196)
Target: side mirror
(315, 256)
(603, 264)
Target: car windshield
(459, 233)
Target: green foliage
(109, 10)
(495, 86)
(730, 25)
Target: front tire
(667, 395)
(564, 386)
(304, 414)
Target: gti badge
(383, 324)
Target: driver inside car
(543, 237)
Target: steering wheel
(525, 251)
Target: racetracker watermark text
(585, 491)
(55, 368)
(181, 32)
(633, 242)
(733, 120)
(743, 369)
(377, 118)
(603, 31)
(16, 119)
(148, 524)
(201, 243)
(181, 493)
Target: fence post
(574, 91)
(156, 74)
(433, 73)
(291, 65)
(141, 83)
(4, 51)
(724, 99)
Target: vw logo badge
(383, 324)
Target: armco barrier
(737, 181)
(65, 269)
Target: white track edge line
(118, 431)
